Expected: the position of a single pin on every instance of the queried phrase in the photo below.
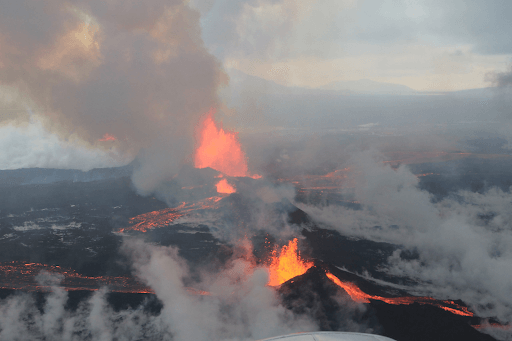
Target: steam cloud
(241, 306)
(33, 146)
(501, 79)
(137, 71)
(463, 242)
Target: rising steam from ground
(137, 71)
(31, 145)
(463, 242)
(241, 306)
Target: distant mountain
(241, 81)
(366, 86)
(349, 106)
(33, 176)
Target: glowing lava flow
(219, 149)
(490, 325)
(155, 219)
(357, 295)
(22, 276)
(287, 265)
(151, 220)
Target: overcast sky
(145, 71)
(427, 45)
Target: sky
(73, 72)
(426, 45)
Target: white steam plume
(462, 254)
(137, 71)
(241, 306)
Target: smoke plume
(136, 72)
(238, 306)
(501, 79)
(462, 243)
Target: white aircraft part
(329, 336)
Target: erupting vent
(219, 149)
(224, 187)
(287, 264)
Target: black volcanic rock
(473, 174)
(33, 176)
(417, 322)
(356, 255)
(315, 295)
(299, 217)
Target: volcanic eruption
(365, 221)
(286, 264)
(219, 149)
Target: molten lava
(22, 276)
(357, 295)
(151, 220)
(107, 137)
(287, 265)
(224, 187)
(156, 219)
(219, 149)
(491, 325)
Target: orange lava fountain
(224, 187)
(219, 149)
(287, 265)
(357, 295)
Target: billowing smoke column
(135, 74)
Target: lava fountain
(224, 187)
(219, 149)
(287, 265)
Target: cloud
(279, 29)
(240, 306)
(501, 79)
(426, 45)
(269, 29)
(31, 145)
(463, 243)
(137, 71)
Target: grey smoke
(241, 306)
(501, 79)
(460, 255)
(141, 74)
